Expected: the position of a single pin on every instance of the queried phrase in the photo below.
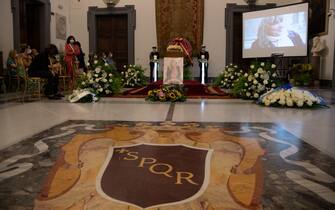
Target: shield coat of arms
(152, 175)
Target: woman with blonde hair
(272, 33)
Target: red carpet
(193, 89)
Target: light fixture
(111, 3)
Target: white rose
(267, 102)
(259, 70)
(265, 82)
(282, 102)
(309, 102)
(256, 75)
(91, 81)
(106, 64)
(256, 95)
(273, 66)
(289, 102)
(246, 84)
(83, 83)
(110, 80)
(97, 80)
(248, 94)
(88, 64)
(274, 75)
(104, 80)
(300, 103)
(95, 62)
(273, 85)
(232, 77)
(108, 91)
(262, 64)
(100, 90)
(110, 75)
(250, 78)
(255, 82)
(246, 75)
(252, 66)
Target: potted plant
(301, 74)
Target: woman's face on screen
(274, 29)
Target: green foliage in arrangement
(229, 75)
(133, 76)
(260, 78)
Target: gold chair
(33, 85)
(64, 78)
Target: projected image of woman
(273, 33)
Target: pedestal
(316, 67)
(316, 70)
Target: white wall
(6, 34)
(61, 7)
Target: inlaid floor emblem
(148, 175)
(165, 165)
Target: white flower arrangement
(101, 80)
(291, 97)
(133, 76)
(229, 75)
(260, 78)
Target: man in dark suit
(154, 57)
(203, 57)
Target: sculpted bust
(318, 46)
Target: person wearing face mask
(71, 51)
(24, 57)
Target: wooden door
(112, 36)
(30, 23)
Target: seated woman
(25, 54)
(12, 63)
(42, 66)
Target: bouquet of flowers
(291, 97)
(229, 75)
(260, 78)
(133, 76)
(82, 96)
(171, 93)
(102, 80)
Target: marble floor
(20, 121)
